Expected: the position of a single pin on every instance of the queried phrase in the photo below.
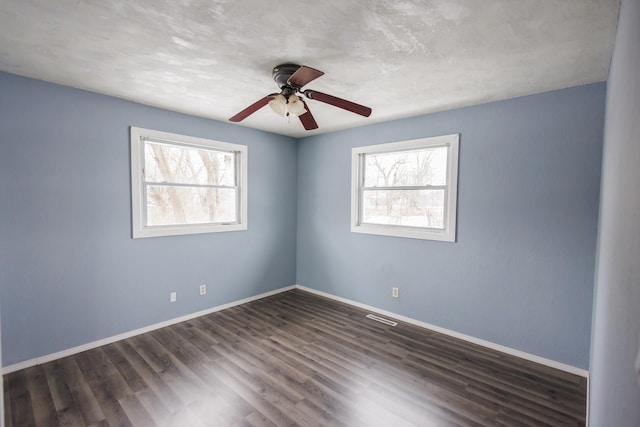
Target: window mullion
(407, 188)
(178, 184)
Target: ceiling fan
(291, 78)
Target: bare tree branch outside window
(189, 185)
(404, 188)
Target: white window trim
(138, 135)
(448, 234)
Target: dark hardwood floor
(293, 359)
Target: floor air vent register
(381, 320)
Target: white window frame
(448, 234)
(138, 194)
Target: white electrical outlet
(203, 289)
(173, 296)
(395, 292)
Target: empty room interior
(334, 213)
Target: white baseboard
(84, 347)
(507, 350)
(501, 348)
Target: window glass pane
(415, 208)
(171, 205)
(426, 166)
(188, 165)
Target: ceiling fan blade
(307, 119)
(303, 76)
(251, 109)
(338, 102)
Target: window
(406, 189)
(186, 185)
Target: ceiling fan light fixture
(295, 106)
(279, 105)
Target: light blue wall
(69, 271)
(521, 272)
(615, 389)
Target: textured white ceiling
(402, 58)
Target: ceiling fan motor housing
(281, 73)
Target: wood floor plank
(184, 417)
(8, 417)
(135, 411)
(155, 407)
(260, 375)
(167, 366)
(293, 359)
(126, 370)
(66, 407)
(107, 385)
(44, 409)
(261, 405)
(81, 392)
(256, 419)
(99, 372)
(168, 398)
(225, 401)
(21, 403)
